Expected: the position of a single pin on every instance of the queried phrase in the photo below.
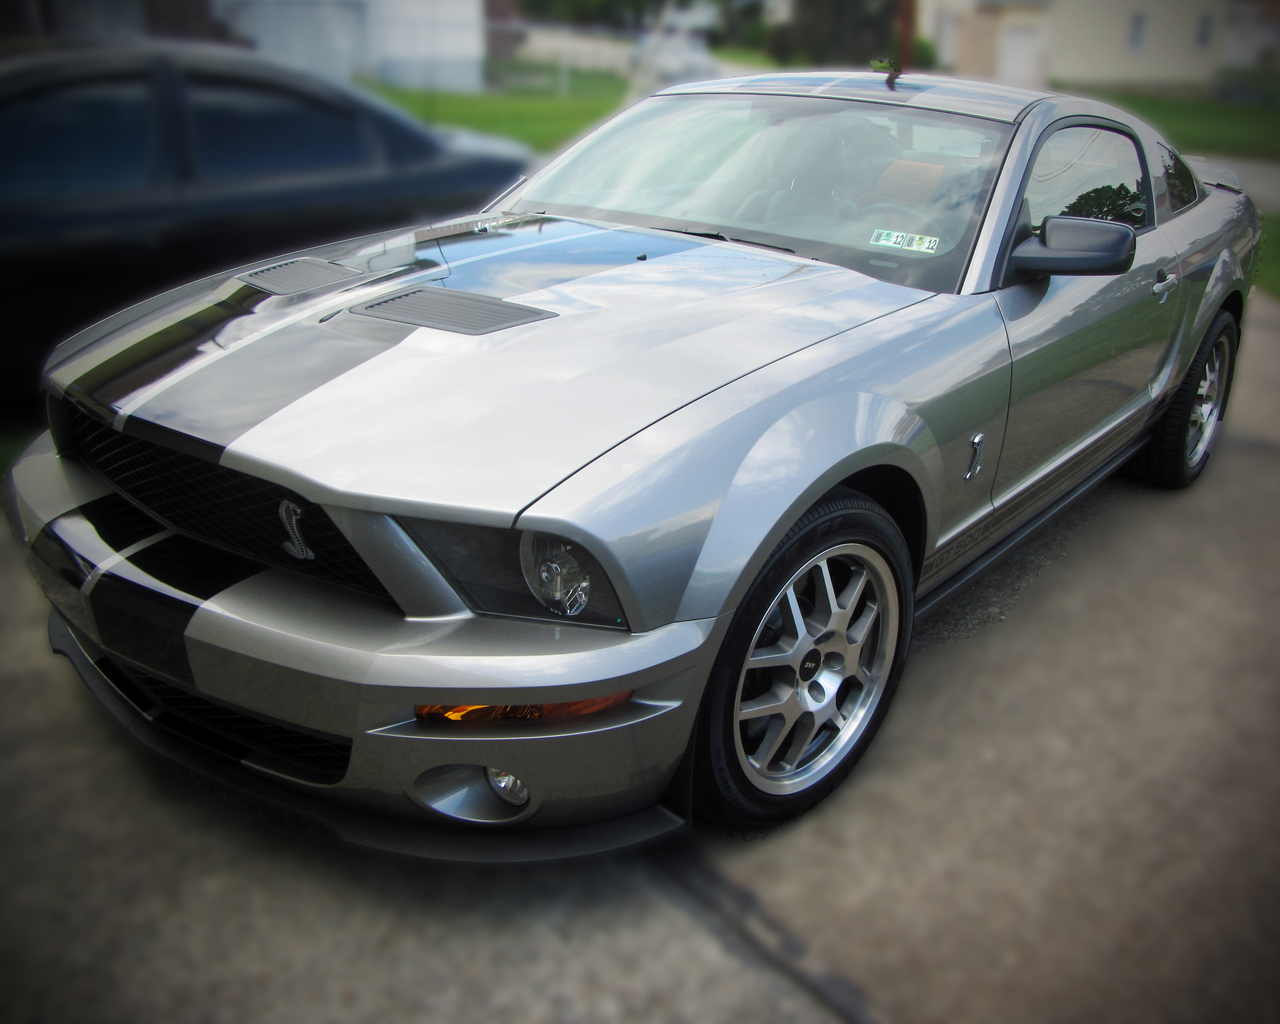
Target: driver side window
(1088, 172)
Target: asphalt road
(1071, 815)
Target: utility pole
(906, 32)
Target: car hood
(293, 371)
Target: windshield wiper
(701, 234)
(725, 238)
(763, 245)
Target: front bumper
(300, 693)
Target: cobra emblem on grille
(296, 545)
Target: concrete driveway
(1071, 815)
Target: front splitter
(366, 828)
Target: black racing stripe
(118, 522)
(146, 626)
(172, 343)
(143, 625)
(72, 567)
(209, 409)
(61, 573)
(132, 619)
(78, 541)
(197, 569)
(68, 416)
(66, 552)
(220, 402)
(172, 439)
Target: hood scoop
(297, 276)
(459, 312)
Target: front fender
(797, 460)
(682, 514)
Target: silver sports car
(539, 532)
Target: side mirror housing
(1076, 246)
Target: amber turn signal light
(502, 712)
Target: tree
(1107, 202)
(836, 32)
(614, 13)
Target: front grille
(220, 506)
(233, 733)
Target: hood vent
(459, 312)
(297, 276)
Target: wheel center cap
(809, 667)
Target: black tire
(1182, 439)
(841, 674)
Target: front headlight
(521, 572)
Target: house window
(1204, 30)
(1137, 31)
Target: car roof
(19, 69)
(928, 92)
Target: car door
(272, 167)
(1084, 348)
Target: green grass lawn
(1209, 126)
(525, 104)
(744, 55)
(1268, 276)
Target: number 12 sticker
(902, 240)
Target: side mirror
(1077, 246)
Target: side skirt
(951, 584)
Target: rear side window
(1180, 183)
(76, 140)
(244, 130)
(404, 145)
(1088, 172)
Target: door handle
(1164, 283)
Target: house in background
(422, 44)
(1253, 35)
(425, 44)
(1159, 44)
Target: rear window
(244, 130)
(1180, 184)
(404, 144)
(90, 137)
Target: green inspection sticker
(902, 240)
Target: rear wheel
(809, 666)
(1182, 439)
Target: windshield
(896, 193)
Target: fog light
(508, 787)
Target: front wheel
(809, 666)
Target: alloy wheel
(1206, 408)
(817, 667)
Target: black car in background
(127, 169)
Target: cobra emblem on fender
(296, 545)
